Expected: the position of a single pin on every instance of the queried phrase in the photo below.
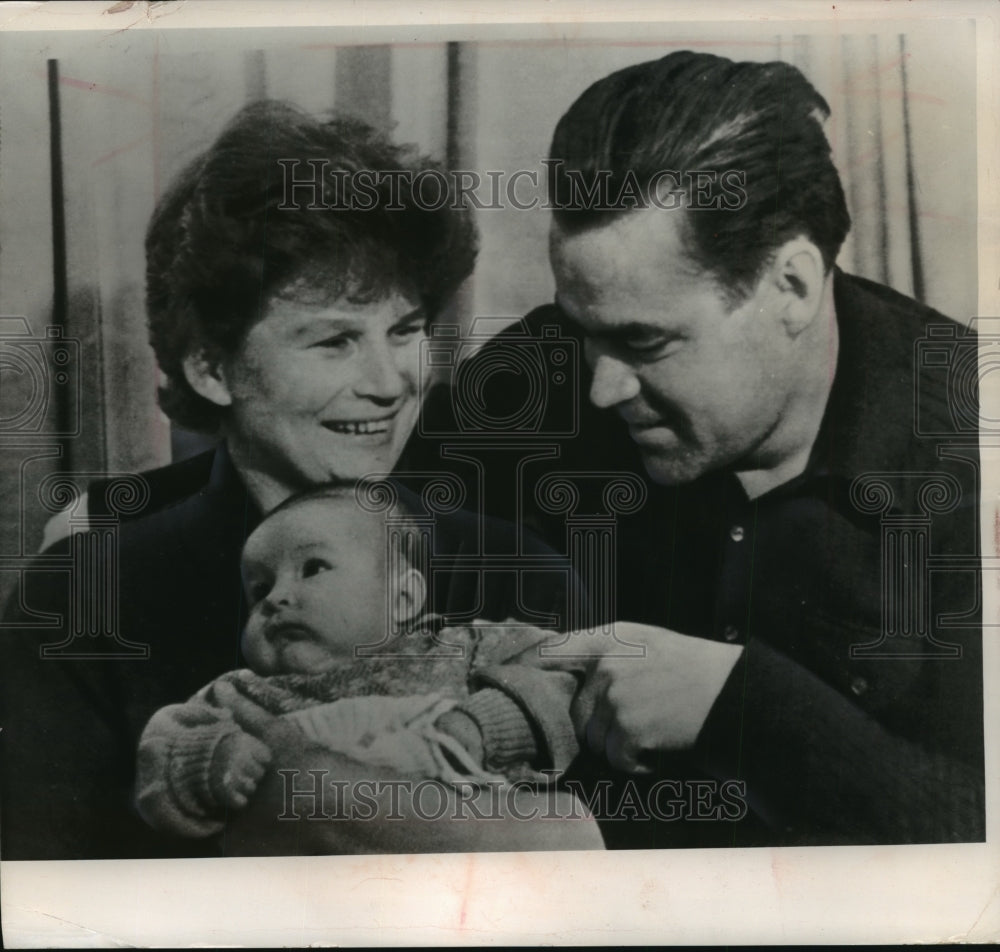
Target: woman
(290, 325)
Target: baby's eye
(257, 592)
(335, 343)
(314, 566)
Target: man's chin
(670, 469)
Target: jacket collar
(869, 423)
(226, 486)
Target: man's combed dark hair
(219, 246)
(692, 112)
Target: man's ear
(798, 274)
(409, 596)
(207, 378)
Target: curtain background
(93, 132)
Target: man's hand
(631, 706)
(238, 764)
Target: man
(769, 399)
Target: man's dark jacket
(855, 713)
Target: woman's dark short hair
(695, 112)
(226, 237)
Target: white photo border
(802, 895)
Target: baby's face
(315, 579)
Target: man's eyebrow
(575, 321)
(630, 331)
(637, 330)
(620, 333)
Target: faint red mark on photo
(466, 889)
(121, 149)
(893, 94)
(91, 87)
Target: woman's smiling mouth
(360, 427)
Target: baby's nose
(281, 596)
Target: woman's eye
(314, 567)
(409, 331)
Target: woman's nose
(613, 383)
(383, 375)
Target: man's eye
(655, 347)
(314, 567)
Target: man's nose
(381, 375)
(613, 383)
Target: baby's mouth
(288, 632)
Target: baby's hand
(276, 733)
(237, 766)
(465, 730)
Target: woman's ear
(409, 596)
(207, 378)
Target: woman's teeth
(358, 427)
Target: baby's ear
(409, 596)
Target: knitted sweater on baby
(377, 708)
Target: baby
(434, 702)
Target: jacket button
(736, 533)
(730, 633)
(859, 686)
